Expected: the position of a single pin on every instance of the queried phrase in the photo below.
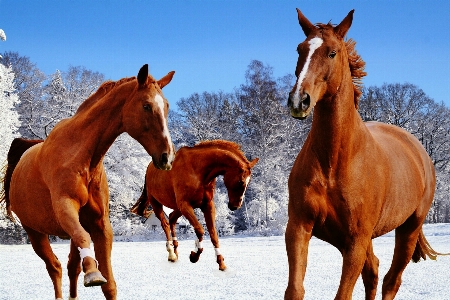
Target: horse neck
(217, 162)
(337, 128)
(99, 125)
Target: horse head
(145, 118)
(321, 64)
(236, 181)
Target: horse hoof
(173, 259)
(194, 257)
(94, 279)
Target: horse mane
(355, 62)
(102, 90)
(224, 145)
(357, 72)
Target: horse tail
(423, 249)
(16, 150)
(140, 207)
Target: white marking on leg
(198, 245)
(170, 249)
(217, 250)
(313, 45)
(87, 252)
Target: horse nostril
(164, 158)
(306, 101)
(289, 104)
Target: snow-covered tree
(125, 164)
(2, 37)
(9, 119)
(28, 82)
(265, 125)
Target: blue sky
(210, 43)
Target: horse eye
(332, 54)
(147, 107)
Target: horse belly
(411, 188)
(30, 199)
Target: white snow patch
(142, 271)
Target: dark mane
(225, 145)
(102, 90)
(355, 62)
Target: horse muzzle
(299, 105)
(234, 207)
(164, 162)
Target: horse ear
(166, 79)
(306, 25)
(344, 26)
(253, 162)
(143, 75)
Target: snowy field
(258, 270)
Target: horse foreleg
(159, 213)
(210, 217)
(41, 246)
(188, 212)
(370, 273)
(354, 255)
(297, 239)
(67, 214)
(173, 217)
(102, 236)
(73, 270)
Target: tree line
(253, 115)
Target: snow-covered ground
(258, 270)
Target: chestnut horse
(191, 184)
(59, 187)
(352, 181)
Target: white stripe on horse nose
(314, 44)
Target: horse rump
(16, 150)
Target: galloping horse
(352, 181)
(191, 184)
(59, 187)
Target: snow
(257, 270)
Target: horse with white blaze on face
(352, 181)
(59, 187)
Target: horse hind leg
(41, 246)
(369, 273)
(187, 211)
(406, 237)
(73, 270)
(173, 217)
